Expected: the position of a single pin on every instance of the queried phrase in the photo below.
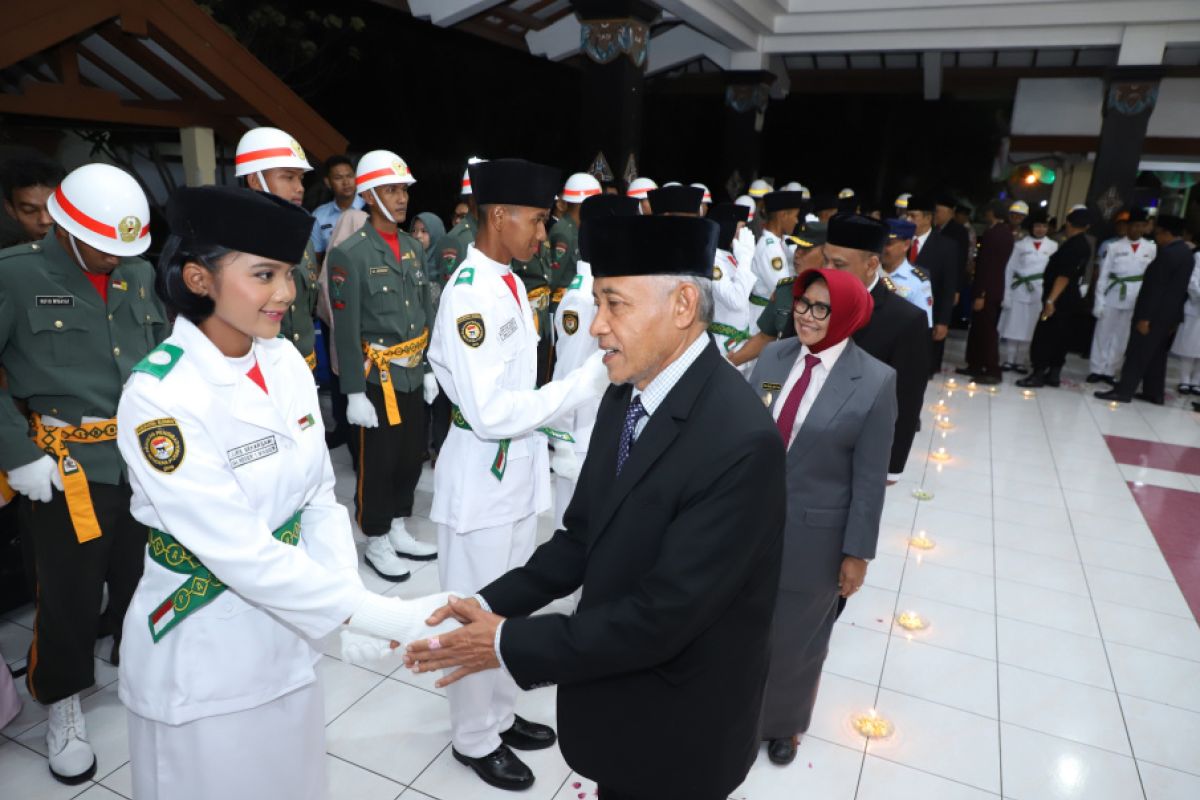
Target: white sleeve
(1102, 281)
(1194, 283)
(571, 350)
(477, 373)
(202, 505)
(761, 267)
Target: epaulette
(24, 249)
(465, 275)
(891, 287)
(159, 361)
(785, 281)
(920, 273)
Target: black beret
(1170, 223)
(676, 199)
(921, 202)
(600, 206)
(242, 220)
(727, 216)
(621, 246)
(1138, 215)
(857, 232)
(1080, 218)
(823, 202)
(514, 182)
(1037, 216)
(847, 205)
(945, 200)
(783, 201)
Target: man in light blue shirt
(905, 279)
(339, 177)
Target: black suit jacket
(940, 258)
(898, 335)
(661, 670)
(1164, 287)
(958, 234)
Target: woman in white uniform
(1187, 340)
(250, 557)
(1022, 303)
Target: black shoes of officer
(500, 768)
(526, 735)
(988, 380)
(1036, 380)
(1113, 394)
(1145, 398)
(1096, 377)
(782, 751)
(965, 371)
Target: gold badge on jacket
(776, 263)
(570, 322)
(471, 329)
(716, 273)
(162, 444)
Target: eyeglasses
(819, 311)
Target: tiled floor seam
(996, 603)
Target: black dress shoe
(1034, 381)
(1021, 370)
(1109, 379)
(988, 380)
(1008, 366)
(1113, 394)
(1094, 377)
(526, 735)
(782, 751)
(1145, 398)
(965, 371)
(1051, 377)
(500, 768)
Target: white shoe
(383, 559)
(405, 545)
(71, 758)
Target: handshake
(382, 624)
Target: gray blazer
(837, 465)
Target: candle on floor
(1028, 394)
(922, 494)
(911, 621)
(921, 541)
(993, 390)
(940, 455)
(1114, 405)
(872, 726)
(944, 423)
(951, 383)
(972, 386)
(939, 407)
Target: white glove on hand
(597, 372)
(1098, 311)
(399, 620)
(359, 411)
(430, 388)
(743, 248)
(359, 649)
(564, 462)
(36, 479)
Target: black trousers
(1146, 362)
(70, 581)
(937, 351)
(611, 794)
(1051, 340)
(983, 342)
(389, 461)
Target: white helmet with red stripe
(268, 148)
(640, 187)
(707, 193)
(104, 208)
(380, 167)
(466, 181)
(747, 201)
(580, 187)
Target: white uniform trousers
(481, 705)
(1110, 339)
(275, 750)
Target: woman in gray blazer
(835, 407)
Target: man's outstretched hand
(471, 648)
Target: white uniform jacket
(1187, 340)
(1022, 275)
(574, 344)
(731, 284)
(218, 464)
(484, 354)
(771, 265)
(1124, 260)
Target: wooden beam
(65, 62)
(114, 73)
(87, 104)
(141, 55)
(527, 21)
(217, 108)
(493, 34)
(31, 26)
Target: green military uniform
(298, 326)
(67, 353)
(379, 301)
(773, 320)
(450, 250)
(564, 252)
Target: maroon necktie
(791, 406)
(912, 252)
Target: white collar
(829, 356)
(213, 365)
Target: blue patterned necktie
(632, 414)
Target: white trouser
(1011, 346)
(1189, 371)
(274, 750)
(482, 705)
(1109, 340)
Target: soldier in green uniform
(449, 250)
(77, 312)
(271, 161)
(383, 311)
(564, 236)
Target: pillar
(199, 156)
(747, 93)
(615, 37)
(1130, 95)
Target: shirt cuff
(496, 645)
(482, 603)
(892, 476)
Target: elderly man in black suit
(674, 534)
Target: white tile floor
(1060, 661)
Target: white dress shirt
(820, 372)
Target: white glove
(596, 371)
(36, 479)
(359, 411)
(431, 388)
(403, 621)
(1097, 311)
(564, 462)
(743, 248)
(360, 649)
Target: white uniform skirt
(276, 750)
(1018, 321)
(1187, 339)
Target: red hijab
(849, 301)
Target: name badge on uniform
(772, 387)
(250, 452)
(55, 300)
(379, 270)
(508, 329)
